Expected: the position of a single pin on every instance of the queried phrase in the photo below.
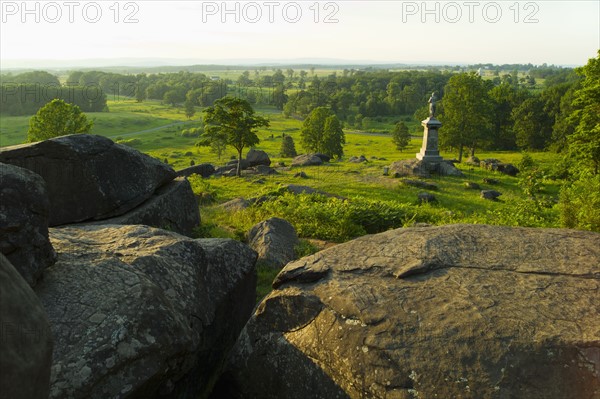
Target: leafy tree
(288, 148)
(533, 126)
(170, 97)
(334, 137)
(322, 132)
(57, 118)
(466, 115)
(232, 120)
(400, 136)
(190, 111)
(584, 143)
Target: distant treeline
(26, 93)
(522, 113)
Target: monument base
(429, 158)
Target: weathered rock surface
(172, 207)
(142, 312)
(26, 341)
(236, 204)
(496, 165)
(204, 170)
(415, 167)
(274, 240)
(307, 160)
(89, 177)
(258, 157)
(24, 213)
(429, 312)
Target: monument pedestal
(429, 149)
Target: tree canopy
(232, 120)
(322, 132)
(57, 118)
(400, 136)
(466, 115)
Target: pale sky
(553, 32)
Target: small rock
(490, 194)
(274, 240)
(204, 170)
(236, 204)
(489, 180)
(472, 185)
(301, 175)
(426, 198)
(324, 157)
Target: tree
(190, 111)
(584, 143)
(322, 132)
(466, 112)
(288, 148)
(57, 118)
(232, 120)
(400, 136)
(533, 126)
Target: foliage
(288, 148)
(400, 136)
(322, 132)
(532, 127)
(466, 115)
(232, 121)
(130, 142)
(189, 108)
(584, 143)
(580, 204)
(57, 118)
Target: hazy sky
(555, 32)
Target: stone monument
(429, 150)
(428, 161)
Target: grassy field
(373, 202)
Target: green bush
(580, 204)
(130, 142)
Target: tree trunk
(460, 153)
(473, 150)
(239, 165)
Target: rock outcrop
(307, 160)
(26, 341)
(24, 213)
(430, 312)
(89, 177)
(274, 240)
(204, 170)
(258, 157)
(172, 207)
(415, 167)
(142, 312)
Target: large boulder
(204, 170)
(172, 207)
(24, 212)
(429, 312)
(415, 167)
(307, 160)
(258, 157)
(89, 177)
(26, 341)
(141, 312)
(274, 240)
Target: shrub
(130, 142)
(580, 204)
(288, 148)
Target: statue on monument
(432, 105)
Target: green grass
(371, 197)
